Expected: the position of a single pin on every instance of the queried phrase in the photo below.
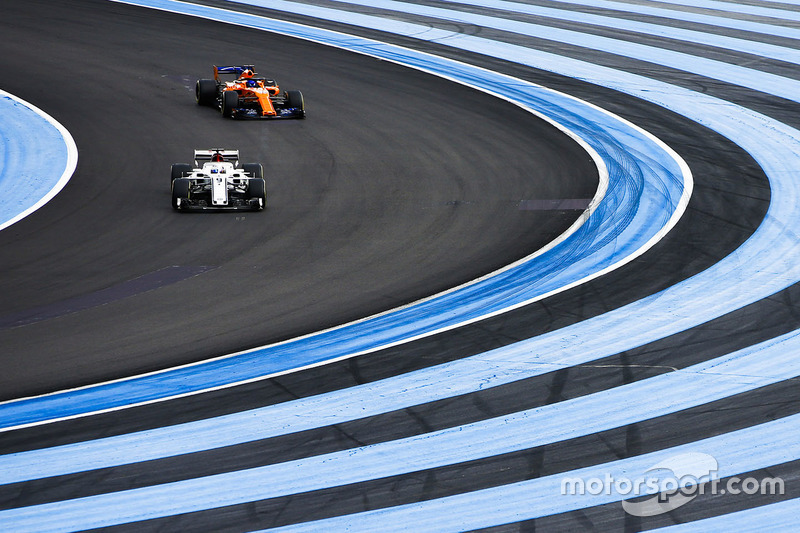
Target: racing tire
(180, 170)
(205, 92)
(180, 191)
(254, 169)
(295, 99)
(230, 101)
(257, 189)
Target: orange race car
(248, 95)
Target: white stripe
(782, 53)
(777, 443)
(729, 73)
(688, 16)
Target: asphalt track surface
(391, 193)
(398, 185)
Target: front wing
(236, 204)
(283, 112)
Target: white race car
(218, 182)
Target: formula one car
(217, 182)
(248, 96)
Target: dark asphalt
(397, 186)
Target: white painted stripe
(464, 443)
(777, 443)
(734, 74)
(781, 53)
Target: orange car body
(253, 90)
(248, 95)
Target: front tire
(230, 101)
(180, 192)
(257, 189)
(254, 169)
(205, 92)
(180, 170)
(295, 99)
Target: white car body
(218, 182)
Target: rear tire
(230, 101)
(254, 169)
(180, 170)
(205, 92)
(257, 189)
(180, 191)
(295, 99)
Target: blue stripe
(709, 381)
(509, 433)
(645, 188)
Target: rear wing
(204, 156)
(232, 70)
